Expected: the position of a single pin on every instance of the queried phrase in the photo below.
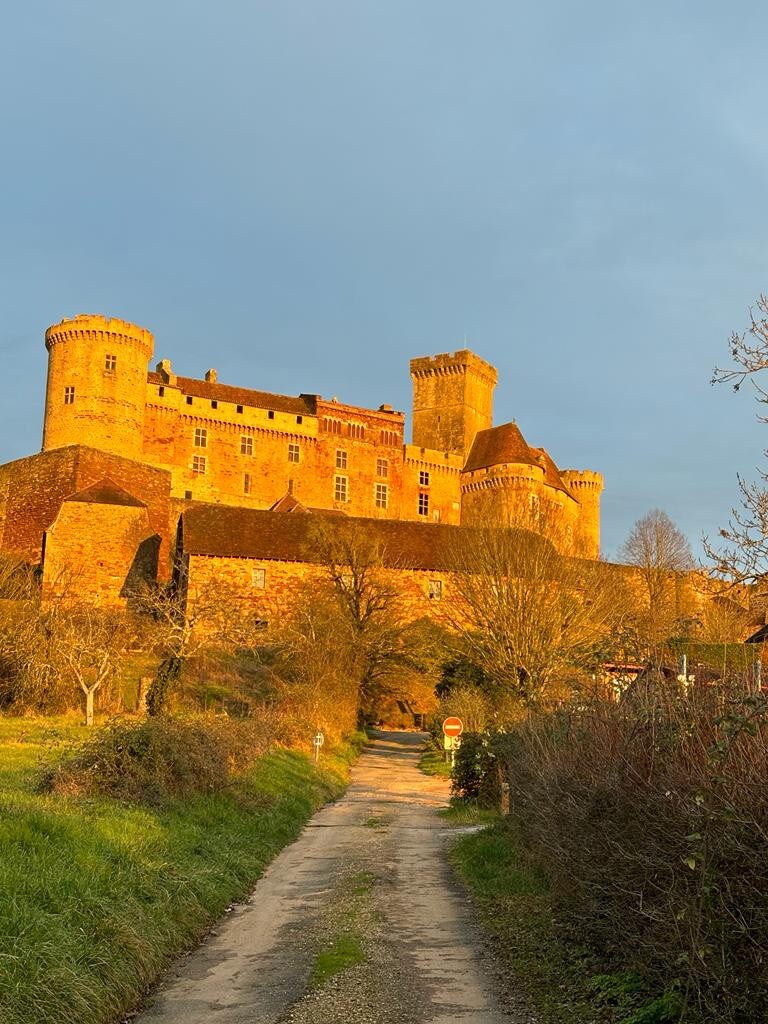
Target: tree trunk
(89, 705)
(159, 692)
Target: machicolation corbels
(93, 327)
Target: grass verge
(564, 983)
(432, 762)
(345, 952)
(98, 896)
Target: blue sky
(306, 194)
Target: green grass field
(97, 897)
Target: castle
(128, 453)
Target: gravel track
(372, 867)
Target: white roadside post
(317, 742)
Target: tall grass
(98, 895)
(650, 819)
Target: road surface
(366, 884)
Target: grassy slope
(97, 897)
(565, 983)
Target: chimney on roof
(385, 408)
(165, 371)
(211, 376)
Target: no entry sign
(453, 727)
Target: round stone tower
(97, 384)
(586, 486)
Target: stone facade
(238, 446)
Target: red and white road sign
(453, 727)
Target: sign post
(317, 742)
(452, 730)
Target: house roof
(105, 492)
(498, 446)
(231, 532)
(301, 405)
(505, 445)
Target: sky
(305, 195)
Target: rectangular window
(435, 590)
(69, 396)
(161, 391)
(246, 445)
(189, 399)
(340, 488)
(341, 459)
(293, 453)
(214, 404)
(299, 419)
(382, 467)
(423, 478)
(188, 495)
(423, 504)
(198, 464)
(201, 437)
(382, 496)
(240, 409)
(247, 483)
(258, 578)
(436, 515)
(271, 414)
(110, 362)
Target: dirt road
(365, 888)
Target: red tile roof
(303, 404)
(229, 532)
(498, 446)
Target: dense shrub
(475, 772)
(650, 818)
(157, 760)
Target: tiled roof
(106, 493)
(497, 446)
(551, 472)
(303, 404)
(505, 445)
(229, 532)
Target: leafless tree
(527, 615)
(90, 647)
(185, 620)
(740, 554)
(659, 552)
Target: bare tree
(90, 648)
(527, 615)
(354, 559)
(185, 621)
(741, 553)
(659, 552)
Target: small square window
(201, 437)
(423, 478)
(271, 414)
(340, 491)
(258, 578)
(189, 399)
(247, 483)
(435, 590)
(382, 496)
(293, 453)
(341, 459)
(214, 404)
(198, 464)
(161, 391)
(188, 495)
(246, 445)
(69, 396)
(240, 409)
(382, 467)
(110, 362)
(299, 419)
(423, 504)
